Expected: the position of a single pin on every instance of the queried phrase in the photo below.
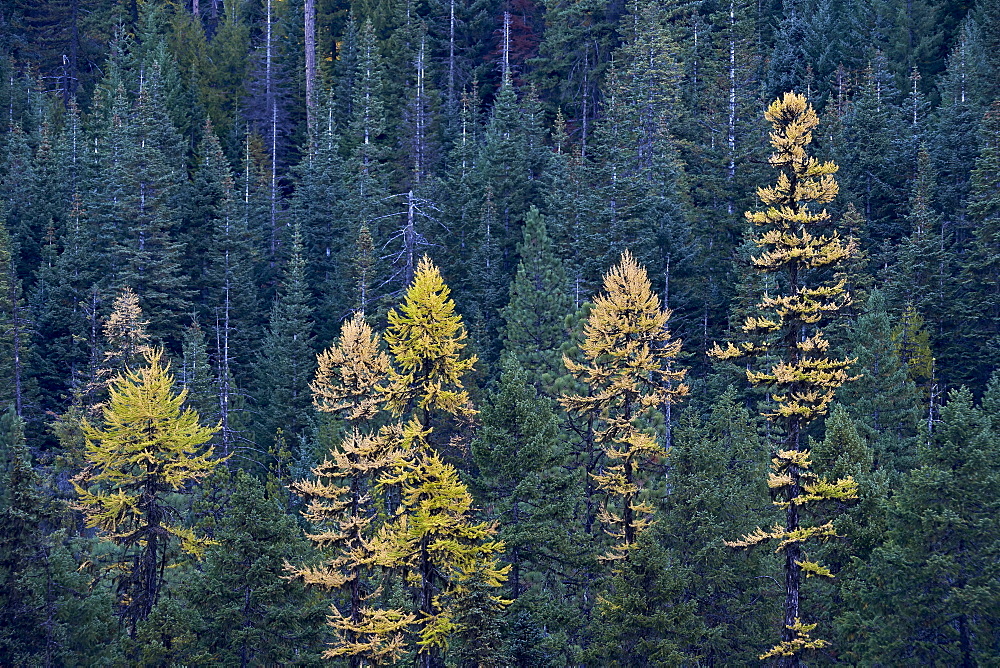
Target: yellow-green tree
(798, 247)
(341, 506)
(433, 542)
(147, 448)
(629, 370)
(426, 338)
(384, 505)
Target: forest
(488, 333)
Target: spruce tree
(803, 378)
(716, 487)
(523, 478)
(981, 268)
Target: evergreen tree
(980, 272)
(873, 168)
(146, 448)
(251, 613)
(23, 552)
(790, 67)
(930, 594)
(326, 233)
(148, 255)
(709, 494)
(882, 400)
(524, 481)
(288, 360)
(539, 302)
(803, 379)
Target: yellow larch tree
(148, 447)
(384, 501)
(629, 370)
(433, 542)
(350, 380)
(426, 338)
(796, 245)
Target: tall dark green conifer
(288, 360)
(540, 300)
(930, 595)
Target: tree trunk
(310, 38)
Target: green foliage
(929, 594)
(533, 329)
(250, 613)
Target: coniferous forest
(487, 333)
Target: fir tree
(883, 400)
(288, 360)
(980, 271)
(251, 613)
(539, 302)
(523, 480)
(709, 494)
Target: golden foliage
(426, 338)
(351, 375)
(800, 642)
(629, 372)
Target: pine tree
(804, 378)
(521, 459)
(527, 484)
(628, 369)
(716, 487)
(147, 447)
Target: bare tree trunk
(310, 38)
(451, 59)
(196, 9)
(273, 104)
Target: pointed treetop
(426, 338)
